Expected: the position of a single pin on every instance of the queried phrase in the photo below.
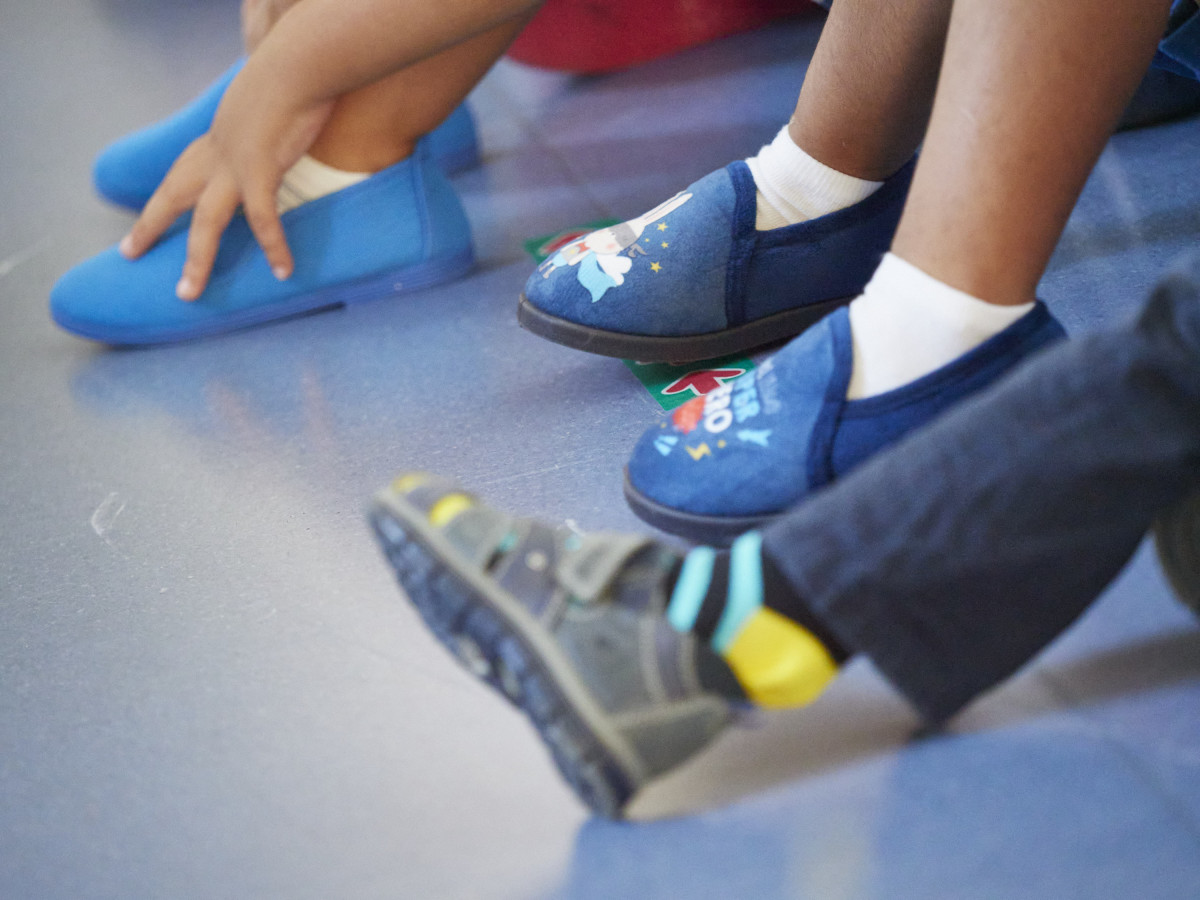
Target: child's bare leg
(861, 113)
(380, 124)
(867, 95)
(1029, 94)
(258, 17)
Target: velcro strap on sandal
(587, 571)
(527, 569)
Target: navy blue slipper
(745, 453)
(693, 278)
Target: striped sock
(739, 602)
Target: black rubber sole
(494, 647)
(684, 349)
(718, 531)
(1177, 539)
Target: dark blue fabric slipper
(694, 279)
(748, 451)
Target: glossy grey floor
(210, 687)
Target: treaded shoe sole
(679, 349)
(1177, 539)
(719, 531)
(497, 640)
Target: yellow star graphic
(655, 267)
(662, 226)
(721, 444)
(665, 245)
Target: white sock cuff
(784, 172)
(907, 323)
(899, 284)
(309, 179)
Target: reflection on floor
(210, 687)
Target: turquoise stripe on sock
(745, 589)
(690, 588)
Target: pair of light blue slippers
(691, 279)
(399, 230)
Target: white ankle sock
(309, 179)
(906, 324)
(793, 187)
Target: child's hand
(253, 142)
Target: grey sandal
(569, 628)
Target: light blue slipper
(397, 231)
(129, 170)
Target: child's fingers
(214, 209)
(175, 196)
(263, 218)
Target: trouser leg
(954, 557)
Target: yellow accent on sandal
(778, 663)
(408, 482)
(448, 507)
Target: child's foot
(395, 231)
(694, 278)
(571, 629)
(129, 170)
(626, 656)
(745, 453)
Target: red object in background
(602, 35)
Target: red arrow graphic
(702, 381)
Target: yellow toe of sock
(779, 663)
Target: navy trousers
(954, 557)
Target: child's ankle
(743, 606)
(309, 179)
(794, 187)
